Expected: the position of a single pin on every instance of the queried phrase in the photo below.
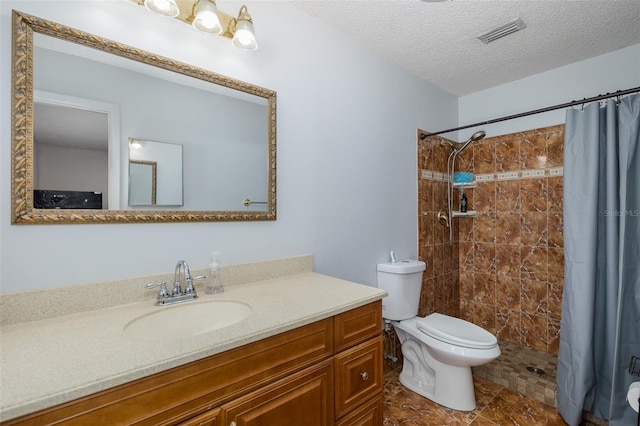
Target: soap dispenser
(215, 283)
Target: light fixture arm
(243, 14)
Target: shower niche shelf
(457, 213)
(462, 186)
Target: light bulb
(162, 7)
(206, 18)
(244, 37)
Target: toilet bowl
(438, 353)
(438, 350)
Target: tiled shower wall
(504, 271)
(440, 281)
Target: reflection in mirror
(155, 173)
(143, 176)
(226, 129)
(75, 148)
(64, 163)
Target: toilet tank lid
(409, 266)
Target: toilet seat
(456, 331)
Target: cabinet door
(305, 398)
(210, 418)
(358, 375)
(370, 414)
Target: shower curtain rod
(615, 94)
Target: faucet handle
(189, 288)
(163, 292)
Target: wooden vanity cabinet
(325, 373)
(358, 366)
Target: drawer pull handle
(364, 375)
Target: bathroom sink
(188, 319)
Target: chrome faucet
(177, 295)
(188, 281)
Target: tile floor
(496, 405)
(510, 371)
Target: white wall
(603, 74)
(88, 168)
(347, 124)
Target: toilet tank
(402, 280)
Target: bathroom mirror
(225, 128)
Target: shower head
(474, 137)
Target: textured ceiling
(438, 41)
(70, 127)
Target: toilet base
(447, 385)
(457, 394)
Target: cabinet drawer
(370, 414)
(358, 325)
(358, 373)
(305, 398)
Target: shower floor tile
(510, 371)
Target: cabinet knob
(364, 375)
(232, 424)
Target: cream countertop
(47, 362)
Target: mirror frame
(22, 210)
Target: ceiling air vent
(503, 30)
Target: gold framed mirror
(201, 201)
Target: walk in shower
(505, 269)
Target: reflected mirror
(155, 173)
(79, 101)
(142, 183)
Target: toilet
(438, 350)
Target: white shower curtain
(600, 326)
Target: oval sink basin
(189, 319)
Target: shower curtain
(600, 325)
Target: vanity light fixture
(205, 16)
